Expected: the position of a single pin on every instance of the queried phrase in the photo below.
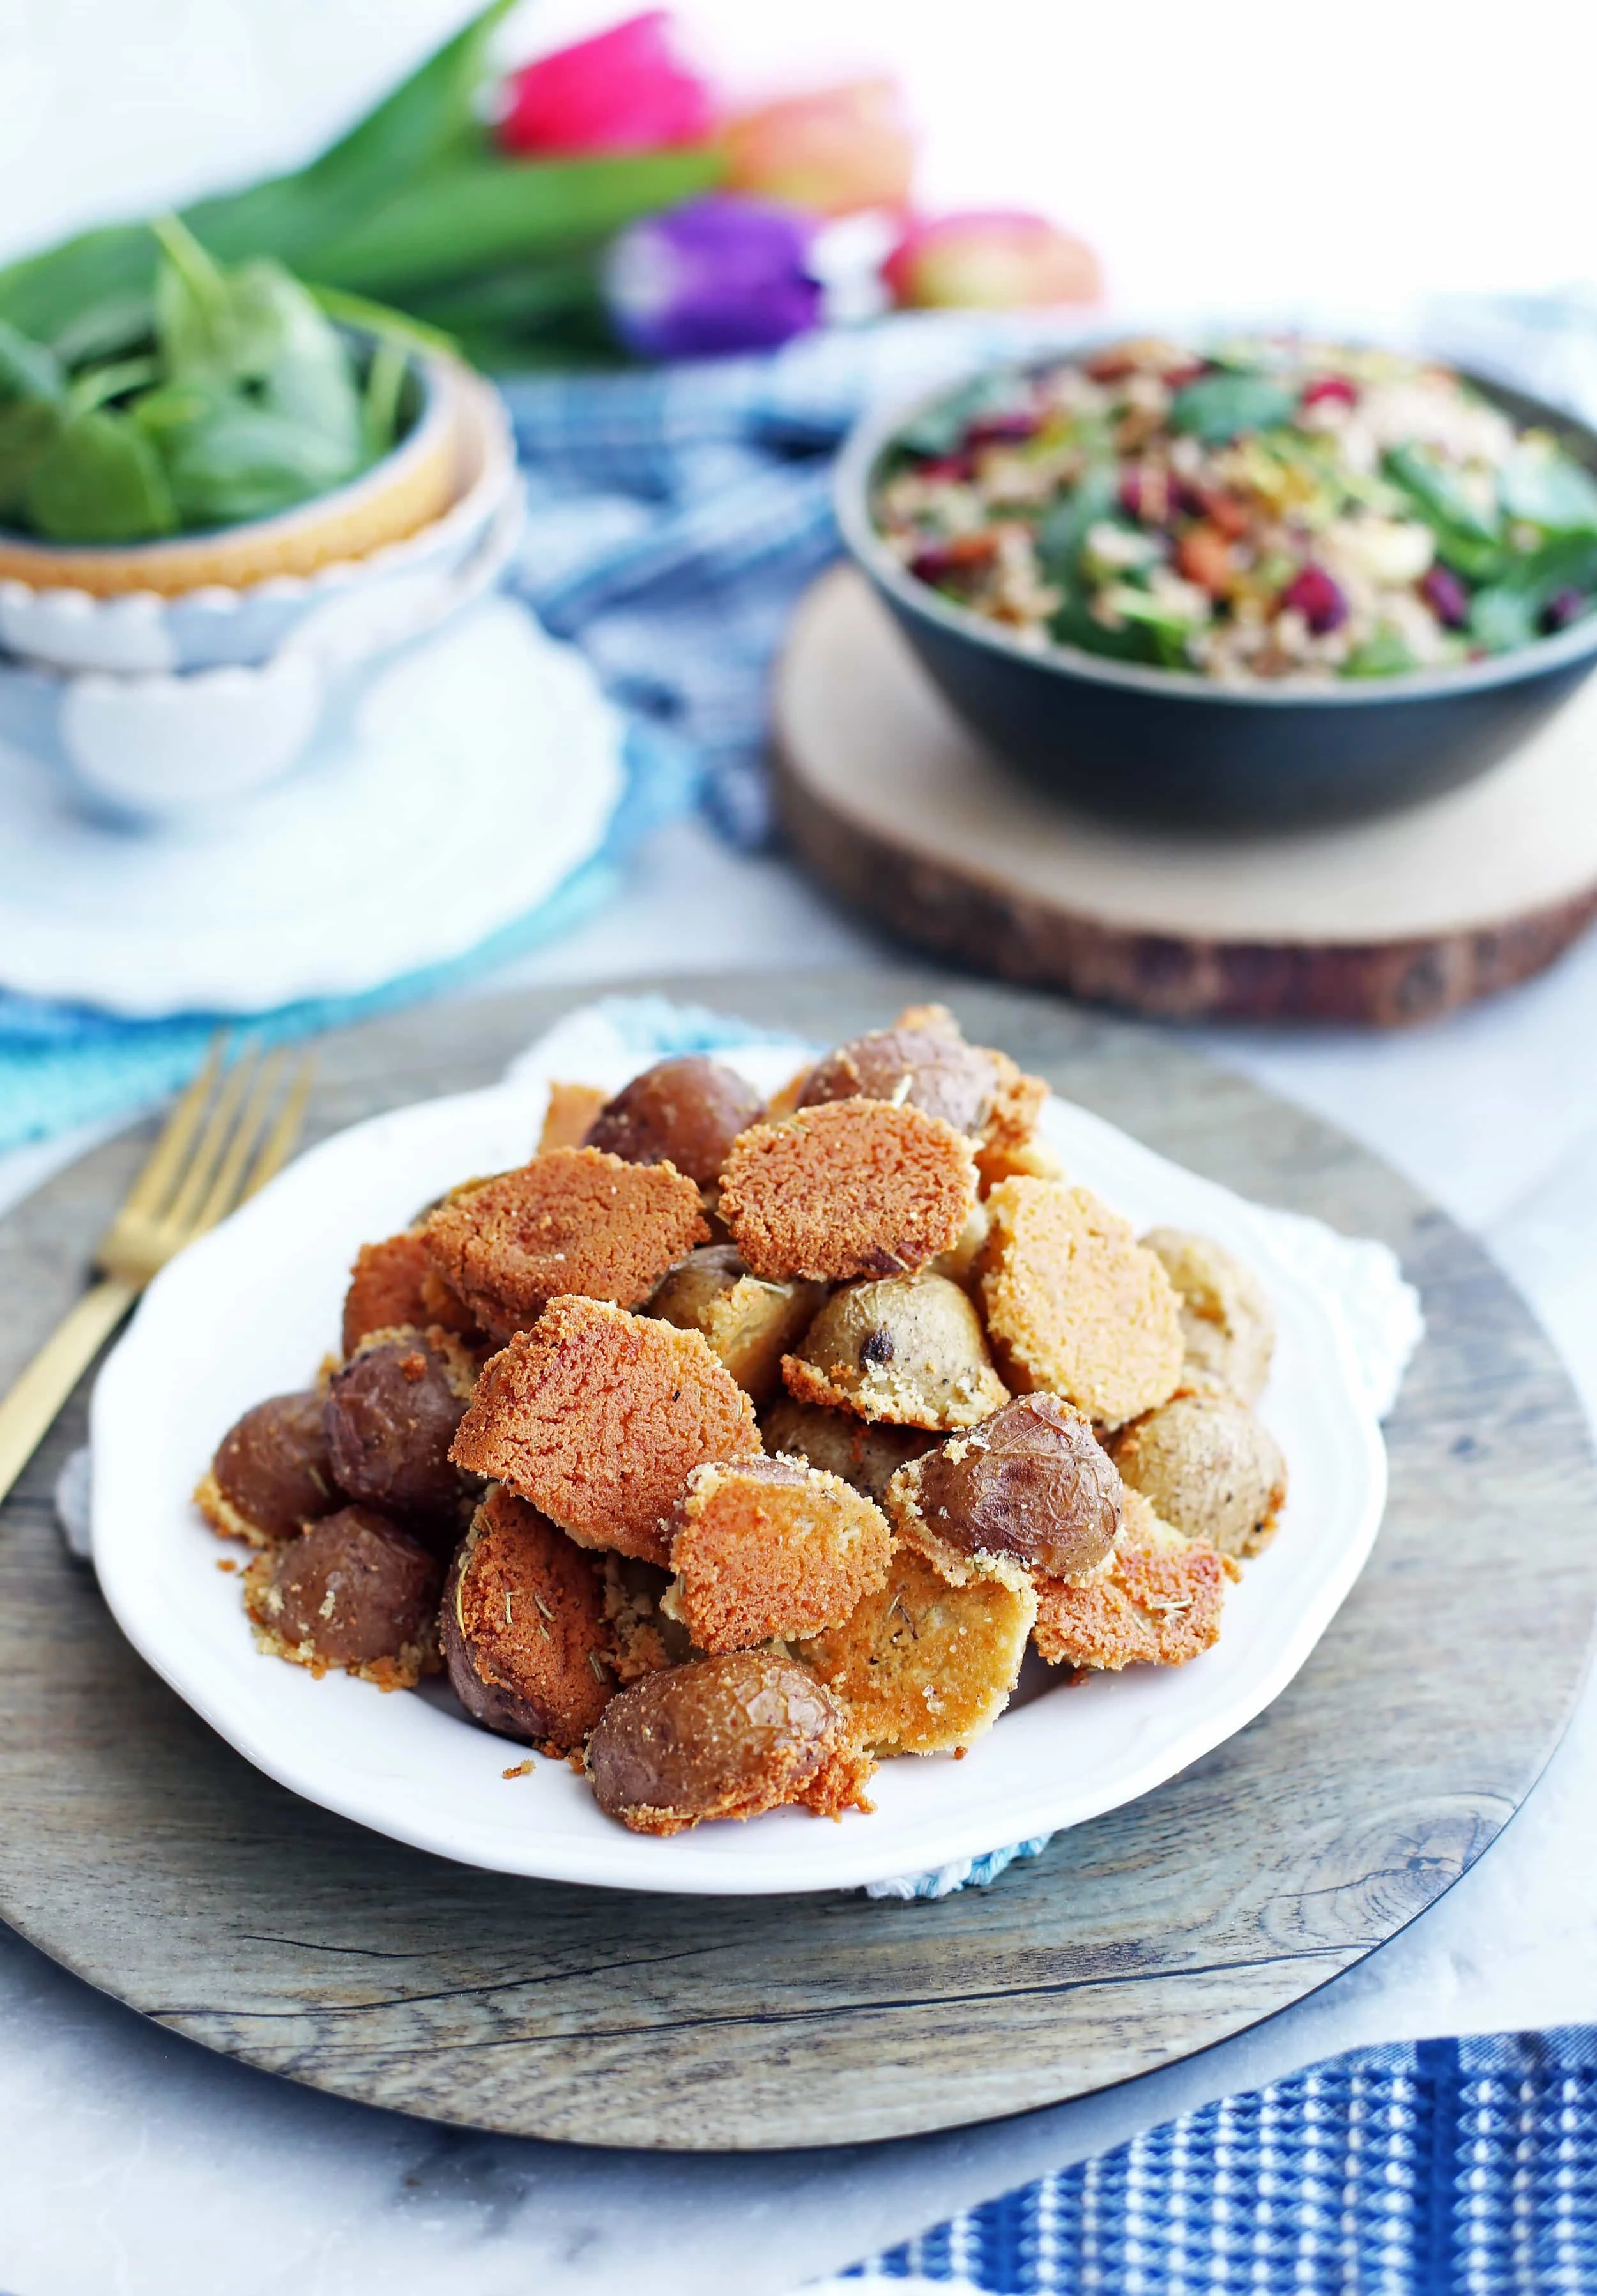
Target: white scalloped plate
(482, 767)
(249, 1312)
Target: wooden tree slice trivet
(143, 1852)
(898, 807)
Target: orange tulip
(834, 153)
(995, 261)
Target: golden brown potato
(353, 1591)
(1074, 1305)
(1028, 1491)
(767, 1549)
(726, 1737)
(749, 1321)
(925, 1666)
(390, 1414)
(1208, 1467)
(868, 1457)
(909, 1349)
(272, 1473)
(924, 1061)
(685, 1112)
(1227, 1322)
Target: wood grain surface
(141, 1851)
(896, 807)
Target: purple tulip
(722, 273)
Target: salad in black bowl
(1263, 582)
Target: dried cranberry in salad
(1265, 509)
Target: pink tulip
(993, 261)
(833, 153)
(622, 91)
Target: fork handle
(31, 1409)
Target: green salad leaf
(99, 480)
(213, 326)
(33, 406)
(1073, 625)
(1507, 612)
(1216, 408)
(235, 460)
(1062, 535)
(1384, 653)
(1548, 489)
(1469, 539)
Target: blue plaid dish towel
(1434, 2168)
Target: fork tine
(208, 1152)
(223, 1193)
(279, 1144)
(149, 1192)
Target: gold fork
(227, 1135)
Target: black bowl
(1167, 746)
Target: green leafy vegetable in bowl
(239, 399)
(1266, 509)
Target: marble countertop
(133, 2162)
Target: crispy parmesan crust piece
(523, 1628)
(1074, 1303)
(1156, 1602)
(571, 1110)
(395, 1282)
(926, 1667)
(772, 1548)
(598, 1417)
(854, 1187)
(726, 1737)
(1022, 1159)
(575, 1221)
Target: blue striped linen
(1443, 2168)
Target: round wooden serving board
(140, 1850)
(898, 807)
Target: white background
(1242, 151)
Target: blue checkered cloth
(1435, 2169)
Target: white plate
(482, 767)
(249, 1311)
